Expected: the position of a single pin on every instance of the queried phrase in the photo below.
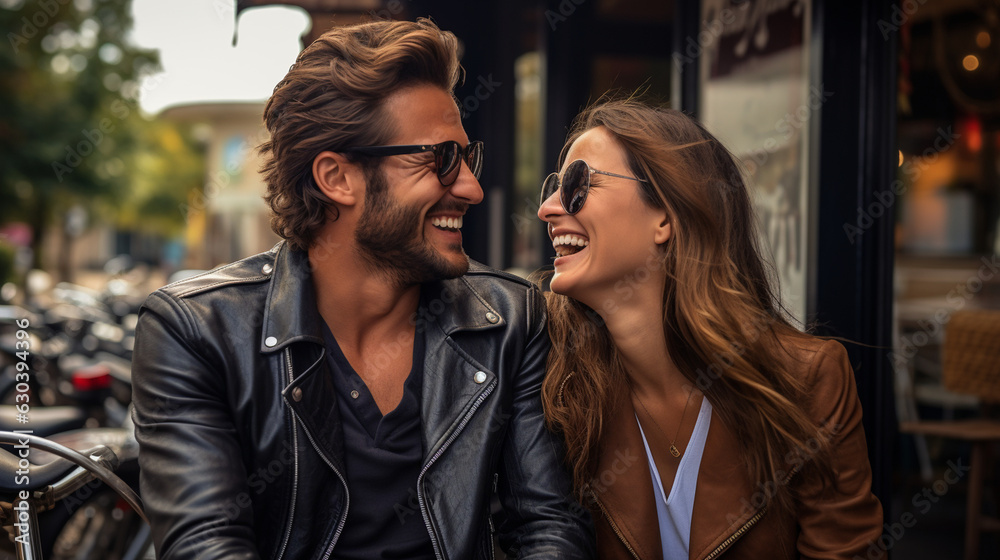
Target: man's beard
(390, 240)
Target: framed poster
(756, 96)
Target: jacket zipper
(493, 552)
(347, 494)
(746, 526)
(617, 531)
(420, 485)
(347, 504)
(295, 468)
(735, 536)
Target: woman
(699, 423)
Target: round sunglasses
(575, 185)
(448, 157)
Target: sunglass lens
(448, 162)
(474, 158)
(549, 187)
(575, 184)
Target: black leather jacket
(241, 448)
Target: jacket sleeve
(192, 475)
(845, 520)
(543, 520)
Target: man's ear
(663, 231)
(339, 179)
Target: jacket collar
(455, 305)
(292, 315)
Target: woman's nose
(550, 207)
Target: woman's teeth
(568, 244)
(447, 223)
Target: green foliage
(165, 167)
(7, 252)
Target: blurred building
(227, 218)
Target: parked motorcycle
(58, 503)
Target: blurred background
(869, 130)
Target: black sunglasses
(448, 157)
(575, 185)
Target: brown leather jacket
(729, 519)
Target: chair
(919, 334)
(971, 365)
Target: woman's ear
(337, 178)
(663, 231)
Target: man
(361, 390)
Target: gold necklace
(673, 448)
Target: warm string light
(983, 39)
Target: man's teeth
(450, 223)
(566, 244)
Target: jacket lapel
(312, 397)
(624, 486)
(454, 379)
(724, 501)
(292, 328)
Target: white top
(674, 511)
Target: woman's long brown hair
(725, 329)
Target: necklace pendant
(674, 451)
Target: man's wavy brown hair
(719, 309)
(333, 98)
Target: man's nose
(466, 187)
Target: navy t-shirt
(383, 457)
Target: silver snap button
(354, 394)
(267, 269)
(492, 317)
(270, 342)
(480, 376)
(297, 394)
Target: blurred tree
(166, 166)
(71, 133)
